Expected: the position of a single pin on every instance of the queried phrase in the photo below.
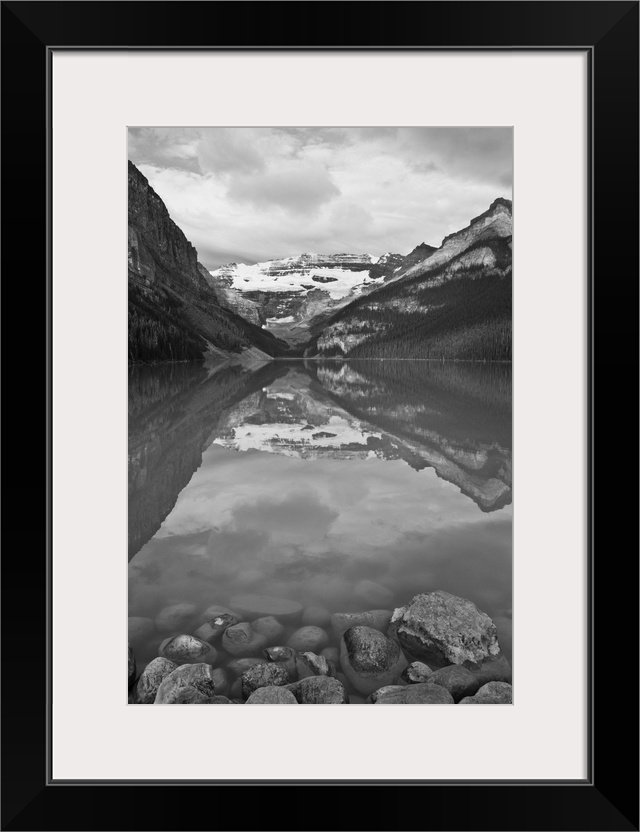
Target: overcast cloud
(253, 194)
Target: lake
(342, 486)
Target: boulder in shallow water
(493, 693)
(459, 681)
(241, 640)
(310, 664)
(372, 593)
(317, 616)
(369, 659)
(269, 627)
(441, 629)
(417, 672)
(418, 694)
(132, 665)
(265, 675)
(190, 684)
(272, 696)
(185, 649)
(256, 606)
(151, 678)
(212, 630)
(175, 618)
(308, 638)
(319, 690)
(140, 629)
(376, 619)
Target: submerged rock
(265, 675)
(272, 696)
(319, 690)
(308, 638)
(417, 672)
(186, 649)
(191, 684)
(212, 630)
(373, 593)
(441, 629)
(369, 659)
(309, 664)
(255, 606)
(140, 629)
(376, 619)
(151, 678)
(493, 693)
(132, 665)
(269, 627)
(419, 694)
(175, 618)
(241, 640)
(459, 681)
(317, 616)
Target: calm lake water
(305, 479)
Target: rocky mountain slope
(173, 312)
(288, 296)
(451, 302)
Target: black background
(609, 800)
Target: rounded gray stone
(459, 681)
(190, 684)
(369, 659)
(493, 693)
(309, 638)
(241, 640)
(418, 694)
(264, 675)
(319, 690)
(185, 649)
(416, 672)
(269, 627)
(272, 696)
(151, 678)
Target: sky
(248, 194)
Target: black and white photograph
(320, 415)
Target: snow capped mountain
(284, 296)
(338, 273)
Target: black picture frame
(608, 32)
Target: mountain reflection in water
(301, 479)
